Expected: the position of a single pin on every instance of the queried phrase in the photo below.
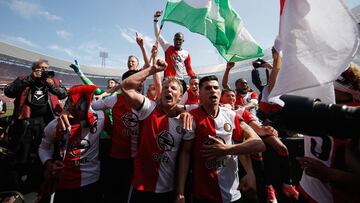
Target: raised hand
(157, 14)
(75, 66)
(139, 40)
(230, 65)
(161, 65)
(154, 51)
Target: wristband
(155, 20)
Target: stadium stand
(11, 67)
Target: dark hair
(128, 74)
(207, 78)
(227, 90)
(113, 79)
(240, 80)
(194, 77)
(179, 34)
(37, 63)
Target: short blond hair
(173, 79)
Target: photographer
(36, 103)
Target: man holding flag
(177, 58)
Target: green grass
(9, 111)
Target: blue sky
(81, 29)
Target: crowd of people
(174, 143)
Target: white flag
(318, 39)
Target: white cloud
(67, 51)
(28, 10)
(49, 16)
(91, 48)
(149, 41)
(63, 34)
(25, 41)
(129, 35)
(17, 40)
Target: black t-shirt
(38, 100)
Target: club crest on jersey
(165, 141)
(227, 127)
(79, 147)
(180, 130)
(130, 119)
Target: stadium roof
(21, 53)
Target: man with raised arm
(245, 96)
(161, 135)
(214, 155)
(177, 58)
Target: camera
(258, 63)
(312, 117)
(47, 74)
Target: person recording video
(36, 103)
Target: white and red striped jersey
(160, 139)
(215, 180)
(125, 131)
(82, 164)
(243, 99)
(178, 61)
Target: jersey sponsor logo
(214, 163)
(160, 157)
(80, 161)
(130, 132)
(130, 120)
(165, 141)
(227, 127)
(79, 147)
